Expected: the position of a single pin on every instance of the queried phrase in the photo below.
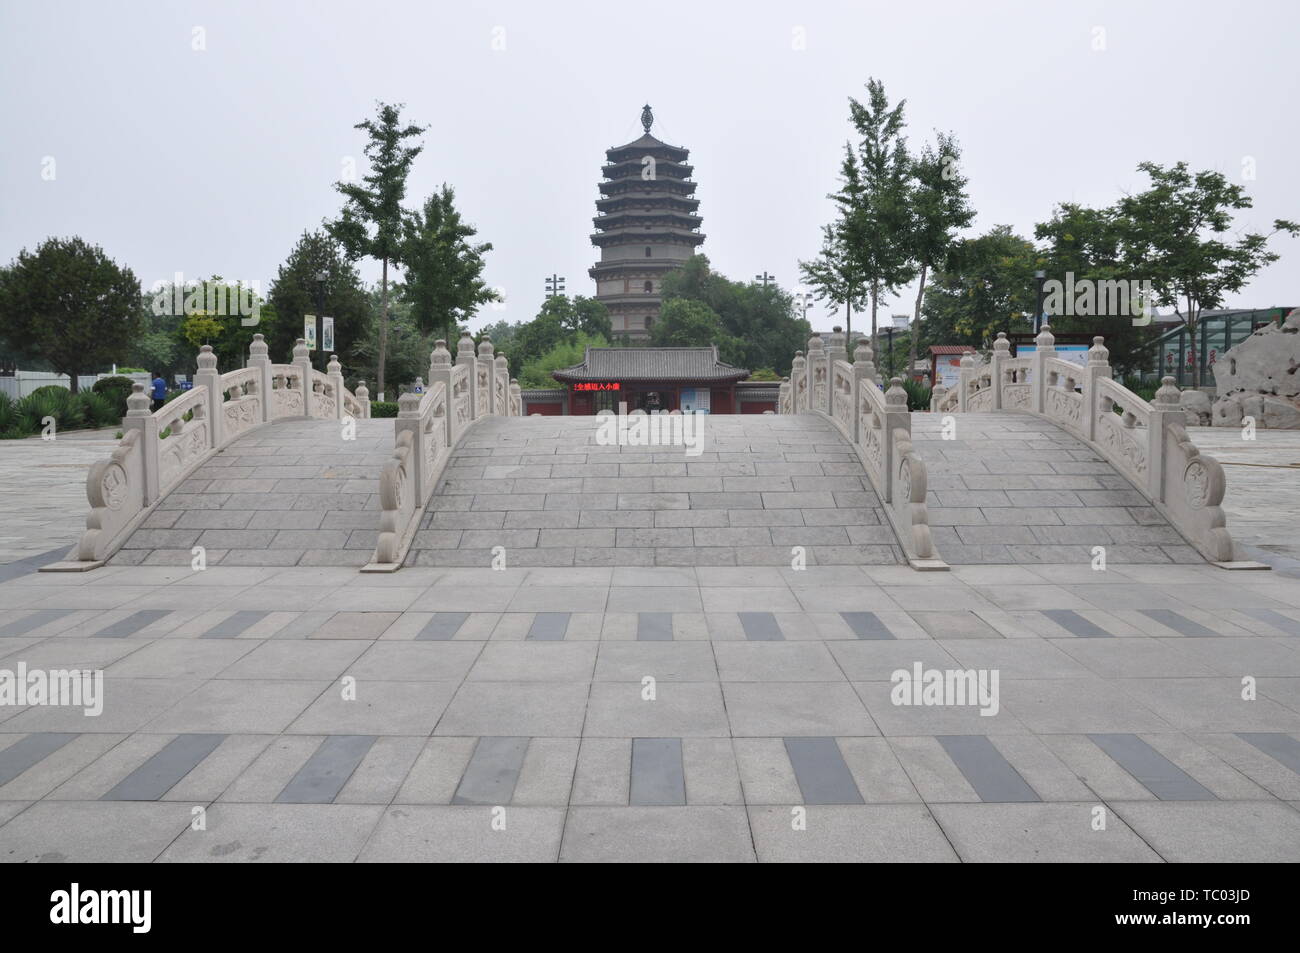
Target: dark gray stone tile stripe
(1179, 623)
(819, 768)
(24, 753)
(1274, 618)
(549, 626)
(234, 624)
(990, 774)
(493, 771)
(761, 627)
(29, 564)
(160, 773)
(327, 770)
(131, 624)
(443, 626)
(34, 621)
(1153, 770)
(1278, 746)
(654, 626)
(1072, 622)
(657, 776)
(866, 625)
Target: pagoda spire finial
(647, 118)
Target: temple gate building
(645, 227)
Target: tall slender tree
(834, 275)
(939, 207)
(444, 269)
(372, 222)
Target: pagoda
(645, 227)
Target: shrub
(116, 390)
(99, 410)
(12, 423)
(57, 402)
(383, 408)
(918, 395)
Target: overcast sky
(214, 160)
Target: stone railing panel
(288, 398)
(182, 443)
(241, 407)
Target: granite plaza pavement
(690, 707)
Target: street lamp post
(554, 285)
(765, 277)
(321, 278)
(888, 332)
(803, 301)
(1039, 276)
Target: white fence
(427, 428)
(878, 426)
(1144, 441)
(24, 382)
(159, 449)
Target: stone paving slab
(759, 487)
(1015, 488)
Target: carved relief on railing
(1063, 405)
(287, 391)
(1016, 396)
(185, 441)
(1194, 488)
(909, 492)
(324, 404)
(871, 414)
(842, 404)
(242, 407)
(1125, 445)
(396, 500)
(980, 399)
(115, 489)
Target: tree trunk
(383, 329)
(916, 325)
(848, 325)
(875, 332)
(1193, 322)
(73, 383)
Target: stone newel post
(208, 376)
(818, 373)
(1098, 367)
(516, 397)
(783, 405)
(1045, 347)
(834, 352)
(140, 417)
(1165, 412)
(501, 375)
(260, 359)
(334, 371)
(486, 367)
(1001, 353)
(440, 373)
(363, 399)
(897, 417)
(965, 374)
(798, 373)
(864, 375)
(302, 361)
(465, 357)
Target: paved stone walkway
(1263, 485)
(644, 713)
(293, 493)
(1015, 488)
(551, 495)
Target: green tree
(443, 268)
(987, 286)
(939, 207)
(70, 305)
(560, 319)
(371, 224)
(686, 323)
(833, 274)
(1173, 234)
(874, 198)
(536, 372)
(293, 295)
(408, 347)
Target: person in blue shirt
(159, 392)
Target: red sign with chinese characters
(598, 385)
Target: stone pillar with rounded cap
(486, 367)
(965, 375)
(440, 372)
(334, 371)
(501, 370)
(864, 375)
(1166, 411)
(835, 351)
(1098, 368)
(798, 374)
(1001, 354)
(362, 395)
(260, 358)
(302, 361)
(897, 417)
(818, 374)
(207, 376)
(516, 398)
(1044, 347)
(140, 417)
(465, 358)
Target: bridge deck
(292, 493)
(1014, 488)
(552, 496)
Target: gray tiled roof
(651, 364)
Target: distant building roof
(651, 364)
(950, 348)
